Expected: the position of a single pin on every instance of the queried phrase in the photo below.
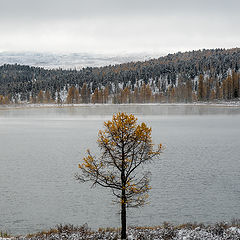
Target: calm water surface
(196, 179)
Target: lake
(197, 178)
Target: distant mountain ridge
(202, 75)
(67, 60)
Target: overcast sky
(118, 26)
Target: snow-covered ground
(186, 232)
(70, 60)
(52, 105)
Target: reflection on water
(196, 179)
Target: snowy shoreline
(188, 231)
(53, 105)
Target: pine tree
(200, 88)
(125, 147)
(85, 94)
(40, 96)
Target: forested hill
(201, 75)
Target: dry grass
(166, 231)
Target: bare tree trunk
(124, 199)
(123, 216)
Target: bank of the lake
(188, 231)
(235, 103)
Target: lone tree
(125, 146)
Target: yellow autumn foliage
(124, 145)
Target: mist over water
(196, 178)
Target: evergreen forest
(203, 75)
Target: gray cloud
(118, 26)
(77, 9)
